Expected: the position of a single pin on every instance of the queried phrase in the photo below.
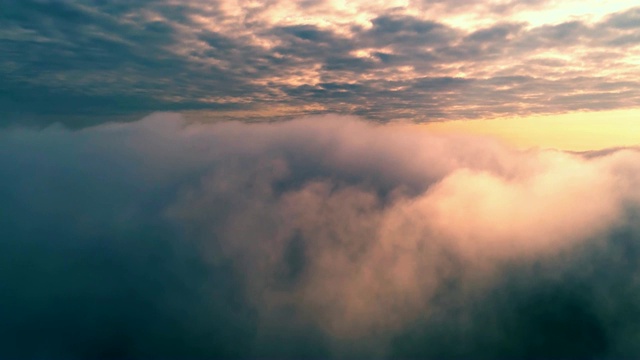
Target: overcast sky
(403, 59)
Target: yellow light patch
(580, 131)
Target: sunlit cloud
(414, 60)
(319, 179)
(346, 236)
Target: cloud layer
(383, 60)
(316, 237)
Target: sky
(319, 179)
(383, 60)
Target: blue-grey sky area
(82, 61)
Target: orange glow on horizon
(580, 131)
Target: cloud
(73, 61)
(326, 236)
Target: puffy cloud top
(308, 238)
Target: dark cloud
(625, 20)
(495, 33)
(321, 237)
(115, 59)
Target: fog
(321, 237)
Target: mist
(319, 237)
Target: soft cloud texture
(418, 60)
(316, 237)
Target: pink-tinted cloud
(327, 235)
(417, 60)
(391, 214)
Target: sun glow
(579, 131)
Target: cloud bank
(324, 237)
(421, 60)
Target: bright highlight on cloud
(326, 236)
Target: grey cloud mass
(72, 61)
(319, 237)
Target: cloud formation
(314, 237)
(382, 60)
